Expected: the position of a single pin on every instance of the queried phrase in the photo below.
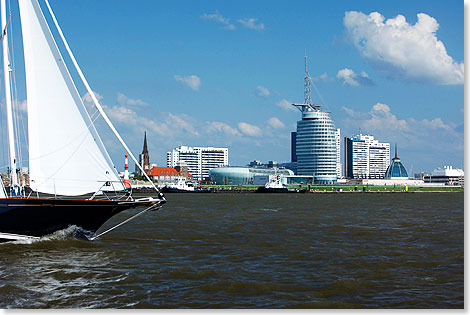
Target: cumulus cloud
(276, 123)
(349, 77)
(124, 100)
(217, 126)
(192, 81)
(217, 17)
(409, 132)
(251, 23)
(250, 130)
(286, 105)
(262, 91)
(400, 49)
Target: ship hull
(167, 189)
(263, 189)
(37, 217)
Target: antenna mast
(8, 99)
(307, 91)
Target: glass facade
(396, 169)
(316, 146)
(242, 175)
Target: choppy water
(253, 251)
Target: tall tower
(315, 140)
(144, 159)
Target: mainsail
(66, 156)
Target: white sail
(66, 156)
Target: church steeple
(144, 159)
(145, 151)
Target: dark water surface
(253, 251)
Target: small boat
(72, 179)
(181, 185)
(274, 185)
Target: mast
(307, 91)
(8, 99)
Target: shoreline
(251, 191)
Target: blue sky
(219, 73)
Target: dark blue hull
(42, 216)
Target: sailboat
(72, 179)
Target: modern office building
(293, 147)
(199, 160)
(315, 140)
(234, 175)
(365, 157)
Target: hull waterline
(39, 217)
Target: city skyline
(225, 75)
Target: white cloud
(87, 97)
(400, 49)
(349, 77)
(322, 77)
(124, 100)
(285, 104)
(250, 130)
(428, 135)
(180, 121)
(192, 81)
(276, 123)
(262, 91)
(251, 23)
(216, 126)
(217, 17)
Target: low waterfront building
(447, 175)
(199, 160)
(162, 173)
(242, 175)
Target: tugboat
(274, 185)
(183, 186)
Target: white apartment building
(365, 157)
(198, 159)
(339, 166)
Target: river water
(245, 250)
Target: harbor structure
(316, 147)
(365, 157)
(199, 160)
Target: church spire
(144, 159)
(144, 151)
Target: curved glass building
(239, 175)
(316, 149)
(396, 170)
(316, 145)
